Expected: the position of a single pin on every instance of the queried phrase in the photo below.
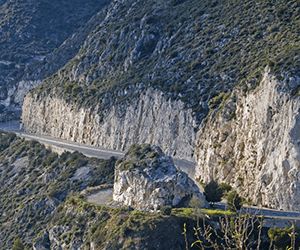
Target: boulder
(147, 179)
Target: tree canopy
(213, 192)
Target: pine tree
(213, 192)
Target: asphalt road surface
(101, 198)
(90, 151)
(87, 150)
(104, 153)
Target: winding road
(276, 217)
(60, 145)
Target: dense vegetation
(140, 156)
(32, 34)
(212, 191)
(119, 228)
(41, 196)
(35, 28)
(34, 181)
(195, 51)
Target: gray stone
(149, 183)
(151, 118)
(258, 153)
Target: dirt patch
(102, 197)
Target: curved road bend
(103, 153)
(90, 151)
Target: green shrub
(280, 237)
(270, 63)
(51, 158)
(225, 187)
(76, 89)
(212, 191)
(166, 210)
(68, 88)
(234, 201)
(18, 245)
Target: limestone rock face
(42, 242)
(146, 179)
(151, 118)
(23, 88)
(254, 145)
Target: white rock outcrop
(23, 88)
(254, 145)
(146, 179)
(151, 118)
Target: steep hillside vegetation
(190, 50)
(152, 71)
(42, 206)
(30, 32)
(185, 55)
(77, 224)
(34, 181)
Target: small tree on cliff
(213, 192)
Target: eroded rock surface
(151, 118)
(146, 179)
(254, 144)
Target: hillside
(137, 68)
(190, 51)
(34, 181)
(42, 205)
(211, 81)
(31, 33)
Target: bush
(166, 210)
(213, 192)
(280, 237)
(225, 187)
(234, 201)
(18, 245)
(76, 89)
(270, 63)
(68, 88)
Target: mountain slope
(181, 48)
(157, 71)
(182, 55)
(41, 204)
(31, 31)
(34, 181)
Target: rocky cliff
(253, 143)
(151, 72)
(147, 179)
(151, 118)
(181, 54)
